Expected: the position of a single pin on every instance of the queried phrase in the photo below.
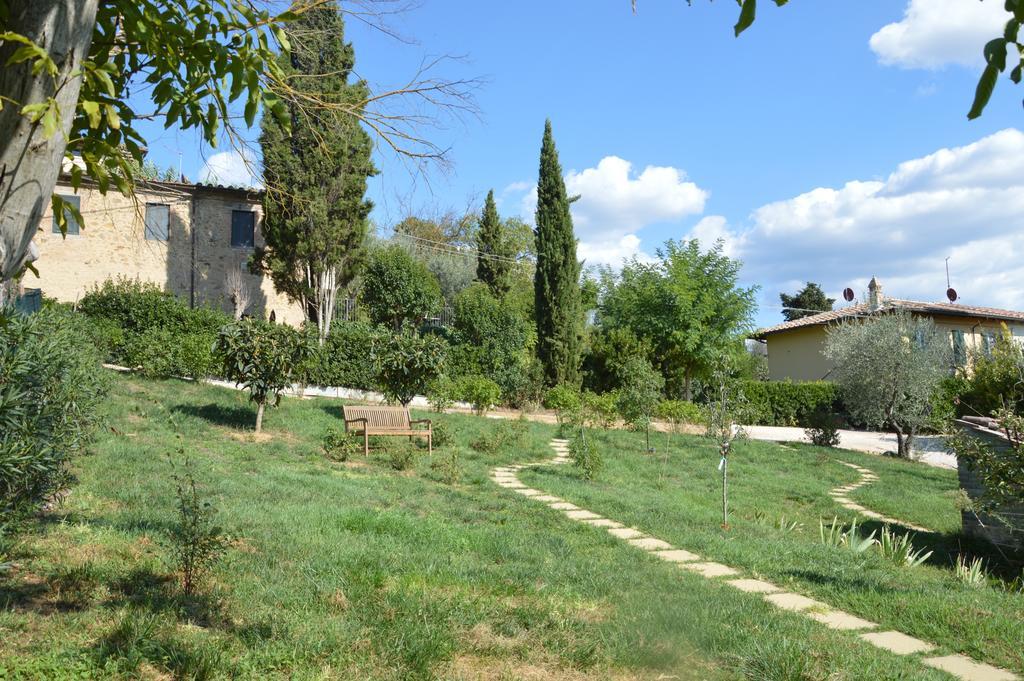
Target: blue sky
(787, 142)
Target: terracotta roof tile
(952, 309)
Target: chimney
(875, 297)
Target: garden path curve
(958, 666)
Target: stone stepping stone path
(898, 643)
(867, 476)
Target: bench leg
(366, 443)
(430, 443)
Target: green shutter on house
(959, 348)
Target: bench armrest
(426, 421)
(362, 420)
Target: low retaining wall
(1006, 530)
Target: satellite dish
(848, 294)
(951, 294)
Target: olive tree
(639, 392)
(887, 367)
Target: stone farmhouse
(795, 348)
(183, 237)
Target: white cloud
(964, 202)
(934, 33)
(615, 204)
(229, 168)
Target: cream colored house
(183, 237)
(795, 349)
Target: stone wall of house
(1006, 530)
(112, 243)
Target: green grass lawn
(355, 570)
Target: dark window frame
(151, 235)
(237, 242)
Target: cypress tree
(493, 271)
(315, 210)
(556, 284)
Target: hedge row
(782, 403)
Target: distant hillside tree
(810, 300)
(315, 210)
(558, 310)
(495, 257)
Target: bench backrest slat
(394, 418)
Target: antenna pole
(947, 271)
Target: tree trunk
(904, 442)
(688, 385)
(259, 417)
(30, 164)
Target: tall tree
(316, 167)
(556, 282)
(688, 307)
(494, 256)
(808, 301)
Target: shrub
(140, 325)
(602, 409)
(899, 549)
(784, 403)
(823, 429)
(479, 391)
(971, 573)
(442, 435)
(585, 456)
(507, 434)
(406, 364)
(51, 385)
(680, 411)
(398, 290)
(197, 542)
(449, 467)
(400, 456)
(343, 360)
(339, 445)
(261, 356)
(441, 394)
(564, 400)
(161, 354)
(997, 379)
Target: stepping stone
(711, 569)
(546, 498)
(755, 586)
(868, 513)
(852, 506)
(513, 485)
(649, 543)
(582, 515)
(625, 533)
(842, 500)
(794, 602)
(967, 669)
(676, 556)
(601, 522)
(837, 619)
(898, 643)
(529, 492)
(563, 506)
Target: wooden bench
(383, 420)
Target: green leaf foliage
(398, 290)
(888, 367)
(51, 386)
(495, 254)
(261, 357)
(557, 305)
(407, 364)
(687, 307)
(316, 163)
